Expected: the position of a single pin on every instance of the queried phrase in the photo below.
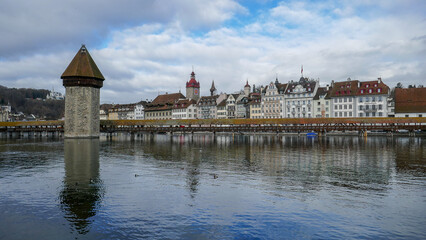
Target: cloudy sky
(146, 47)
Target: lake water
(200, 187)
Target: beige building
(273, 99)
(255, 106)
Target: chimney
(327, 87)
(379, 80)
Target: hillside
(25, 100)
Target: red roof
(410, 100)
(164, 102)
(192, 82)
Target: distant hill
(32, 101)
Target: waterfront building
(410, 102)
(272, 100)
(161, 107)
(184, 109)
(103, 115)
(207, 107)
(255, 108)
(140, 110)
(343, 98)
(322, 103)
(231, 103)
(221, 109)
(299, 98)
(372, 99)
(193, 88)
(122, 112)
(391, 103)
(242, 107)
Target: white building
(299, 98)
(184, 109)
(322, 103)
(55, 95)
(372, 99)
(231, 105)
(140, 110)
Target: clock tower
(193, 88)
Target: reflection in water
(82, 189)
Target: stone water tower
(82, 81)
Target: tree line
(32, 101)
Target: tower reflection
(82, 188)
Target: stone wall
(82, 112)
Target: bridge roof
(83, 65)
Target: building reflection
(82, 188)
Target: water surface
(200, 187)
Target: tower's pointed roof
(247, 85)
(83, 65)
(213, 88)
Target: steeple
(212, 89)
(247, 89)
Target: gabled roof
(358, 88)
(164, 102)
(343, 89)
(307, 84)
(222, 103)
(321, 92)
(208, 100)
(376, 87)
(183, 103)
(410, 100)
(83, 65)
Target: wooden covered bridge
(300, 125)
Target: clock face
(196, 91)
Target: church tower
(193, 88)
(82, 81)
(247, 89)
(212, 89)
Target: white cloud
(332, 41)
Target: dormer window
(348, 86)
(367, 85)
(375, 85)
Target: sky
(150, 47)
